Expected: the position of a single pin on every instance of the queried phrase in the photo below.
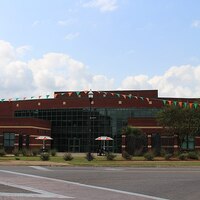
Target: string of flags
(165, 102)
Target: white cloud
(52, 72)
(59, 72)
(103, 5)
(66, 22)
(100, 81)
(21, 51)
(139, 82)
(7, 53)
(177, 81)
(62, 23)
(15, 76)
(72, 36)
(196, 24)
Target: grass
(79, 160)
(136, 162)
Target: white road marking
(37, 192)
(114, 169)
(40, 168)
(85, 185)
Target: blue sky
(53, 45)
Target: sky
(75, 45)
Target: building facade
(74, 121)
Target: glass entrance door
(9, 142)
(74, 145)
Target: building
(74, 121)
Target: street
(35, 182)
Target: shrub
(45, 156)
(136, 140)
(177, 153)
(193, 155)
(2, 152)
(35, 152)
(183, 156)
(89, 156)
(168, 156)
(17, 158)
(110, 156)
(139, 152)
(163, 152)
(53, 152)
(149, 156)
(26, 152)
(67, 156)
(126, 155)
(16, 152)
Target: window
(9, 139)
(188, 143)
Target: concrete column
(197, 143)
(1, 139)
(149, 142)
(176, 146)
(123, 142)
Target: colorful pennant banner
(118, 95)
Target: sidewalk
(31, 163)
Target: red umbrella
(104, 138)
(43, 138)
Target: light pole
(90, 97)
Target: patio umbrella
(104, 139)
(43, 138)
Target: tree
(184, 122)
(135, 140)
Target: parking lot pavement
(15, 186)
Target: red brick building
(74, 121)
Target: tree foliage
(136, 140)
(180, 121)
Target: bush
(126, 155)
(67, 156)
(163, 152)
(35, 152)
(139, 152)
(17, 158)
(110, 156)
(26, 152)
(168, 156)
(183, 156)
(136, 140)
(149, 156)
(89, 156)
(193, 155)
(53, 152)
(2, 152)
(176, 154)
(45, 156)
(16, 152)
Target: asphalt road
(107, 183)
